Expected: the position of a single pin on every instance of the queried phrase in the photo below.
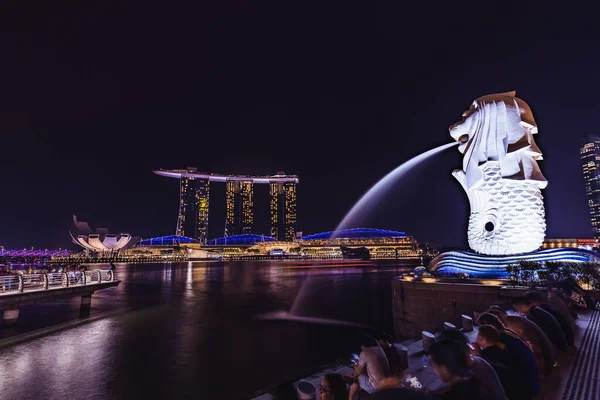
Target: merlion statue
(501, 176)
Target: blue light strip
(355, 233)
(483, 266)
(172, 240)
(247, 239)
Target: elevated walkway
(19, 289)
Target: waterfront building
(237, 245)
(283, 210)
(194, 196)
(590, 161)
(587, 244)
(101, 242)
(380, 243)
(168, 247)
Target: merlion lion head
(499, 127)
(500, 175)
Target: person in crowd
(494, 352)
(541, 301)
(395, 360)
(448, 361)
(333, 387)
(544, 320)
(558, 299)
(520, 353)
(578, 298)
(372, 367)
(477, 365)
(542, 347)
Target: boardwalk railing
(43, 281)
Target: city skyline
(340, 104)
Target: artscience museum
(101, 241)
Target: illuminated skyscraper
(194, 196)
(590, 160)
(194, 193)
(283, 210)
(239, 207)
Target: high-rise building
(283, 210)
(590, 160)
(194, 197)
(239, 207)
(194, 193)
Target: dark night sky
(97, 94)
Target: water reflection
(189, 330)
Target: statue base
(494, 267)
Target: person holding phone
(371, 369)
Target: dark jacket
(502, 363)
(562, 320)
(540, 343)
(524, 363)
(550, 326)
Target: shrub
(532, 274)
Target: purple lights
(35, 253)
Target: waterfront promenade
(576, 378)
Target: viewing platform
(35, 288)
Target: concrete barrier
(427, 338)
(449, 325)
(403, 351)
(467, 323)
(306, 391)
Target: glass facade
(283, 210)
(239, 207)
(194, 197)
(590, 160)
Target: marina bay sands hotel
(194, 193)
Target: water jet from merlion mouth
(366, 202)
(369, 199)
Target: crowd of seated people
(524, 346)
(512, 350)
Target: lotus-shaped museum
(101, 240)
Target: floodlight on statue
(501, 176)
